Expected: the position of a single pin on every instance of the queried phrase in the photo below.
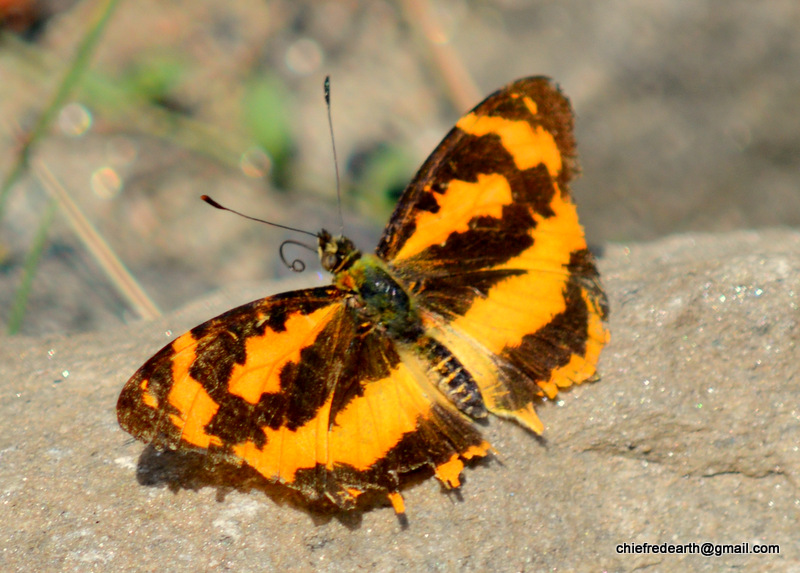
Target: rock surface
(692, 435)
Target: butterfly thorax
(377, 297)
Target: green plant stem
(79, 64)
(29, 268)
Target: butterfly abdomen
(386, 305)
(450, 377)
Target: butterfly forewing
(488, 240)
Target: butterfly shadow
(178, 470)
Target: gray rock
(691, 436)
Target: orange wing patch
(482, 298)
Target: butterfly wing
(487, 240)
(296, 388)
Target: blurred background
(115, 116)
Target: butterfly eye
(329, 261)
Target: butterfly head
(336, 254)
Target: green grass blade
(79, 64)
(29, 269)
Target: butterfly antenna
(327, 88)
(296, 265)
(216, 205)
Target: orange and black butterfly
(481, 298)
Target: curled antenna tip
(296, 265)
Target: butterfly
(481, 297)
